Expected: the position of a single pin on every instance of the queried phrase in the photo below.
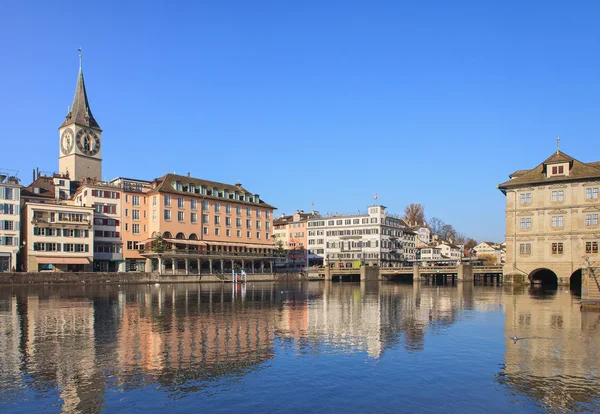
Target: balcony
(108, 256)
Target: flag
(376, 195)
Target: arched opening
(167, 235)
(180, 236)
(193, 236)
(543, 277)
(575, 282)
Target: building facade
(105, 199)
(290, 234)
(552, 220)
(135, 213)
(10, 222)
(372, 238)
(197, 225)
(58, 237)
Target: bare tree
(414, 213)
(447, 232)
(435, 225)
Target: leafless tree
(414, 213)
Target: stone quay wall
(55, 278)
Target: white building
(429, 254)
(491, 249)
(423, 235)
(58, 237)
(373, 238)
(10, 221)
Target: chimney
(33, 174)
(238, 184)
(188, 174)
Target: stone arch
(155, 234)
(544, 277)
(575, 281)
(167, 235)
(180, 236)
(193, 236)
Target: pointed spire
(557, 145)
(80, 112)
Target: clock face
(66, 141)
(88, 142)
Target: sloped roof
(578, 171)
(165, 185)
(80, 113)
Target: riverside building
(10, 221)
(552, 228)
(290, 234)
(199, 226)
(372, 238)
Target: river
(297, 347)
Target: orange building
(291, 235)
(134, 221)
(198, 226)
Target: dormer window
(557, 170)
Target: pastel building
(200, 226)
(105, 199)
(135, 212)
(10, 221)
(291, 234)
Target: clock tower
(80, 139)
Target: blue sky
(328, 102)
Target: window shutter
(94, 193)
(118, 196)
(117, 234)
(117, 222)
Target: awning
(63, 260)
(253, 246)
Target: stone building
(10, 221)
(552, 220)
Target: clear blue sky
(324, 101)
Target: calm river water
(301, 347)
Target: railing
(209, 253)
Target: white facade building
(372, 238)
(10, 222)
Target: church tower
(80, 138)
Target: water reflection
(557, 363)
(72, 348)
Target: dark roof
(80, 112)
(165, 186)
(45, 185)
(577, 171)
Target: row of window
(105, 208)
(215, 192)
(351, 244)
(104, 194)
(558, 221)
(559, 195)
(343, 222)
(135, 200)
(9, 241)
(217, 232)
(216, 206)
(352, 232)
(9, 225)
(558, 248)
(53, 232)
(108, 248)
(9, 208)
(107, 233)
(57, 247)
(216, 219)
(9, 193)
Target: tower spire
(557, 145)
(80, 112)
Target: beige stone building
(10, 221)
(552, 220)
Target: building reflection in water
(557, 362)
(72, 345)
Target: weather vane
(80, 50)
(557, 145)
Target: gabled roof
(165, 185)
(80, 112)
(577, 171)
